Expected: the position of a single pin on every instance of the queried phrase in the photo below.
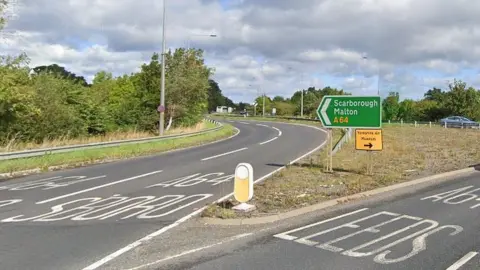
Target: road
(431, 228)
(85, 217)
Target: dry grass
(13, 145)
(100, 155)
(408, 153)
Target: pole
(263, 113)
(301, 106)
(331, 151)
(162, 90)
(301, 102)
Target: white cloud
(310, 37)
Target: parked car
(459, 122)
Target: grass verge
(14, 145)
(99, 155)
(409, 153)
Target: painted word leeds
(350, 112)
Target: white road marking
(194, 213)
(285, 235)
(120, 207)
(419, 242)
(271, 140)
(142, 240)
(279, 131)
(236, 237)
(9, 202)
(463, 260)
(245, 123)
(29, 182)
(262, 125)
(56, 183)
(97, 187)
(224, 154)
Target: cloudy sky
(276, 46)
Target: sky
(271, 46)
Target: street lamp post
(301, 101)
(262, 88)
(162, 90)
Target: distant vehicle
(459, 122)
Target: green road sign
(350, 112)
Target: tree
(391, 106)
(215, 97)
(278, 99)
(61, 72)
(3, 6)
(435, 94)
(284, 108)
(407, 110)
(268, 105)
(462, 100)
(242, 106)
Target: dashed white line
(97, 187)
(245, 123)
(272, 139)
(224, 154)
(463, 260)
(279, 131)
(262, 125)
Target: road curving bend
(83, 218)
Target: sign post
(369, 140)
(359, 112)
(243, 187)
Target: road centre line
(262, 125)
(279, 131)
(462, 260)
(137, 243)
(224, 154)
(245, 123)
(272, 139)
(97, 187)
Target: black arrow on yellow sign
(370, 145)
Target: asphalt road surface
(433, 228)
(83, 218)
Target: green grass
(99, 155)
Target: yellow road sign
(369, 139)
(243, 183)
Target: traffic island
(408, 153)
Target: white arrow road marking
(323, 111)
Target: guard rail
(69, 148)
